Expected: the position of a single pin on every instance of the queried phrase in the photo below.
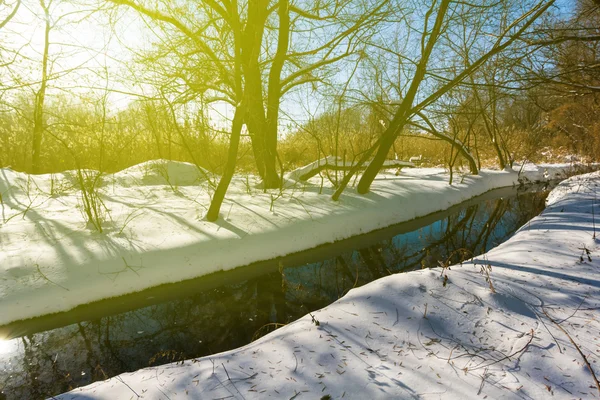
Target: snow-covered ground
(521, 321)
(154, 231)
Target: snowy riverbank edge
(154, 232)
(515, 331)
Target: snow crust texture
(521, 321)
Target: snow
(543, 172)
(160, 172)
(154, 231)
(509, 324)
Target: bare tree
(435, 24)
(40, 95)
(55, 17)
(247, 49)
(13, 11)
(565, 52)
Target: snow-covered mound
(301, 171)
(521, 321)
(160, 172)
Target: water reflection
(38, 365)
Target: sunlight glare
(6, 346)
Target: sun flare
(6, 346)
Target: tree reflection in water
(46, 363)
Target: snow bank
(154, 232)
(543, 172)
(584, 184)
(509, 324)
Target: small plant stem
(594, 216)
(48, 279)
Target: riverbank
(520, 321)
(154, 232)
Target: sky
(82, 47)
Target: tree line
(362, 80)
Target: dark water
(55, 354)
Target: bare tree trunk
(238, 118)
(271, 180)
(388, 139)
(459, 145)
(236, 129)
(256, 120)
(38, 111)
(403, 114)
(11, 15)
(262, 124)
(490, 126)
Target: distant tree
(569, 50)
(564, 67)
(7, 13)
(40, 95)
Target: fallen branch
(329, 164)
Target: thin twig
(130, 388)
(296, 367)
(508, 356)
(577, 347)
(232, 383)
(48, 279)
(226, 371)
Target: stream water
(49, 355)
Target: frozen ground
(154, 231)
(521, 321)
